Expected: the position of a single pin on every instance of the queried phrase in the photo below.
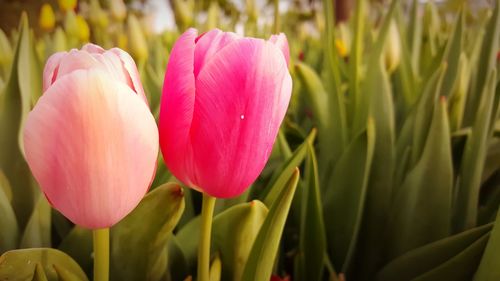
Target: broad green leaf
(6, 55)
(188, 237)
(345, 198)
(451, 55)
(415, 34)
(459, 268)
(216, 268)
(473, 159)
(39, 273)
(486, 64)
(330, 121)
(37, 232)
(312, 241)
(263, 253)
(9, 233)
(423, 113)
(234, 233)
(426, 258)
(355, 60)
(459, 93)
(15, 103)
(488, 268)
(282, 175)
(20, 265)
(139, 241)
(79, 245)
(177, 268)
(379, 192)
(421, 210)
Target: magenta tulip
(224, 98)
(91, 140)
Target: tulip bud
(212, 15)
(118, 10)
(183, 12)
(83, 29)
(47, 19)
(97, 15)
(91, 141)
(137, 42)
(224, 98)
(392, 50)
(67, 5)
(71, 24)
(59, 42)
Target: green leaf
(216, 268)
(79, 245)
(260, 262)
(473, 159)
(488, 268)
(330, 120)
(9, 233)
(415, 34)
(20, 265)
(345, 198)
(188, 237)
(15, 104)
(429, 257)
(421, 212)
(39, 273)
(451, 55)
(234, 233)
(312, 241)
(282, 175)
(177, 263)
(486, 64)
(423, 113)
(379, 106)
(37, 231)
(139, 241)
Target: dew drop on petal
(242, 116)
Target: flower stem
(101, 254)
(207, 211)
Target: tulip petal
(208, 44)
(51, 69)
(92, 144)
(75, 60)
(129, 65)
(282, 43)
(177, 104)
(93, 48)
(241, 98)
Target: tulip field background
(386, 167)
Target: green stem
(276, 27)
(101, 254)
(207, 211)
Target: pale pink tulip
(224, 98)
(91, 140)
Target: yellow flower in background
(67, 5)
(341, 48)
(83, 29)
(47, 19)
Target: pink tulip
(91, 140)
(224, 98)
